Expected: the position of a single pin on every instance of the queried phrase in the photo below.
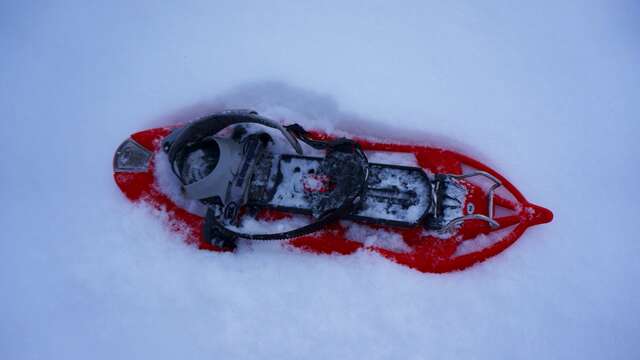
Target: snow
(375, 237)
(395, 158)
(253, 226)
(547, 93)
(290, 192)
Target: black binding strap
(212, 124)
(216, 233)
(303, 135)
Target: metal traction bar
(487, 218)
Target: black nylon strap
(216, 232)
(302, 134)
(212, 223)
(212, 124)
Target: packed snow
(547, 93)
(375, 237)
(395, 158)
(482, 241)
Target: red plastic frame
(428, 252)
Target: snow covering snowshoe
(443, 213)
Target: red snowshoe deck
(428, 251)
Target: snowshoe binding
(235, 165)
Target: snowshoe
(443, 212)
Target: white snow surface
(371, 237)
(395, 158)
(547, 93)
